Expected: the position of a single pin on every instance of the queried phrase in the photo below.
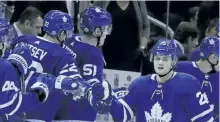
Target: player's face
(34, 28)
(106, 30)
(192, 44)
(214, 59)
(162, 64)
(65, 34)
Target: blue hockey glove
(21, 58)
(101, 97)
(73, 87)
(44, 86)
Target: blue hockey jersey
(209, 82)
(12, 101)
(177, 100)
(90, 62)
(48, 57)
(89, 59)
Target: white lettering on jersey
(89, 69)
(203, 99)
(70, 51)
(9, 85)
(37, 52)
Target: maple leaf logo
(98, 10)
(157, 114)
(212, 42)
(64, 19)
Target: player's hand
(44, 86)
(21, 57)
(72, 87)
(101, 96)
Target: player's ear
(175, 60)
(212, 58)
(27, 23)
(97, 32)
(62, 35)
(189, 39)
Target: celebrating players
(95, 24)
(49, 57)
(164, 96)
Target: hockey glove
(44, 86)
(72, 87)
(101, 97)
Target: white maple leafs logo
(212, 42)
(64, 19)
(157, 114)
(98, 10)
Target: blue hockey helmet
(6, 32)
(95, 17)
(56, 21)
(21, 57)
(165, 47)
(209, 45)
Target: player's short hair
(212, 24)
(185, 30)
(192, 11)
(30, 13)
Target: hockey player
(49, 57)
(212, 30)
(206, 70)
(95, 24)
(12, 71)
(166, 96)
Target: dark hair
(212, 24)
(192, 11)
(30, 13)
(185, 30)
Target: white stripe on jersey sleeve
(211, 120)
(127, 107)
(18, 105)
(9, 102)
(203, 113)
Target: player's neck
(204, 66)
(165, 78)
(48, 37)
(21, 27)
(89, 40)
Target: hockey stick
(167, 19)
(23, 91)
